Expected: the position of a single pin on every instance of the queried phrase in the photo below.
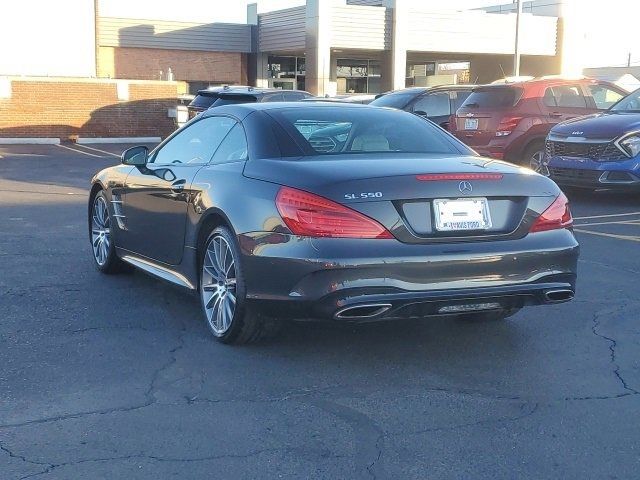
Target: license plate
(470, 123)
(462, 214)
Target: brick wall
(187, 65)
(68, 108)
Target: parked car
(510, 121)
(435, 103)
(398, 220)
(598, 151)
(217, 96)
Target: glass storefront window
(358, 76)
(281, 67)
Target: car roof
(551, 79)
(431, 89)
(243, 90)
(244, 109)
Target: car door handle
(178, 186)
(555, 114)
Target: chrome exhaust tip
(358, 312)
(558, 295)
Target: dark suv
(217, 96)
(510, 121)
(435, 103)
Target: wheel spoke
(232, 298)
(213, 300)
(228, 311)
(210, 287)
(213, 264)
(223, 262)
(219, 321)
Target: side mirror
(136, 156)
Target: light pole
(516, 54)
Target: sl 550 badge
(362, 195)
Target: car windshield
(630, 103)
(393, 100)
(492, 97)
(346, 130)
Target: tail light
(557, 216)
(310, 215)
(507, 125)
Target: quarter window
(604, 96)
(233, 148)
(196, 143)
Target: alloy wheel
(536, 162)
(100, 231)
(218, 288)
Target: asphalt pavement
(117, 377)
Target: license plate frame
(471, 124)
(462, 214)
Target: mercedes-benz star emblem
(465, 187)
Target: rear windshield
(233, 100)
(202, 102)
(345, 130)
(393, 100)
(492, 97)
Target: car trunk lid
(404, 193)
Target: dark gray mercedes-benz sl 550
(343, 212)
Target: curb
(88, 140)
(30, 141)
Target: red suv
(510, 121)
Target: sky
(234, 11)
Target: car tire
(534, 158)
(490, 316)
(101, 238)
(223, 293)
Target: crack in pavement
(366, 453)
(149, 395)
(528, 413)
(21, 457)
(612, 348)
(53, 466)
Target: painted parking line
(612, 215)
(630, 238)
(80, 151)
(98, 150)
(594, 224)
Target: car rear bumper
(587, 173)
(321, 278)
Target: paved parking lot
(117, 376)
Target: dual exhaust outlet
(558, 295)
(372, 310)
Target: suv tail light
(557, 216)
(310, 215)
(507, 125)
